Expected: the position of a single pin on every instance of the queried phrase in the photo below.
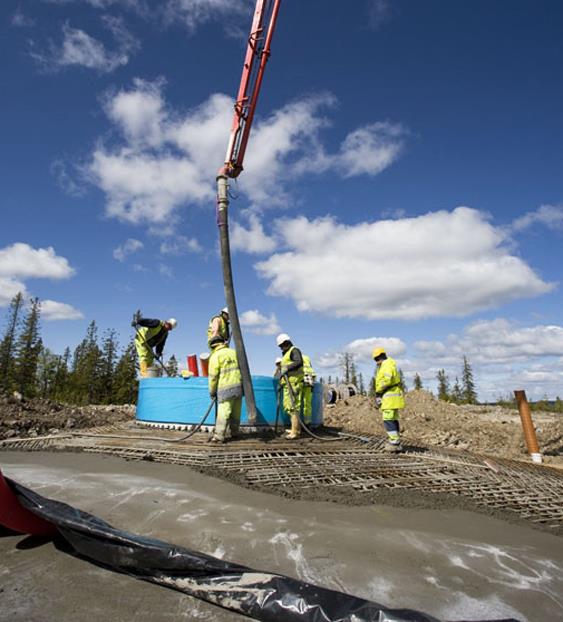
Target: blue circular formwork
(184, 401)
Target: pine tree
(346, 361)
(468, 392)
(125, 378)
(457, 395)
(28, 348)
(60, 390)
(172, 367)
(108, 359)
(443, 385)
(417, 382)
(8, 344)
(329, 381)
(47, 366)
(371, 390)
(85, 376)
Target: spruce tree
(346, 361)
(86, 365)
(353, 373)
(457, 395)
(108, 359)
(443, 385)
(172, 367)
(47, 367)
(28, 347)
(417, 382)
(125, 382)
(468, 392)
(60, 390)
(8, 344)
(361, 386)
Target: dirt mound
(35, 417)
(479, 429)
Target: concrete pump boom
(257, 54)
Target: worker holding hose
(292, 376)
(389, 397)
(225, 384)
(150, 334)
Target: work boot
(295, 431)
(393, 447)
(216, 439)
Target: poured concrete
(452, 564)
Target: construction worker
(277, 371)
(225, 384)
(309, 377)
(219, 327)
(389, 397)
(150, 334)
(292, 379)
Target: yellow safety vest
(308, 371)
(388, 384)
(224, 374)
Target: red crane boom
(257, 54)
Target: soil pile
(429, 421)
(35, 417)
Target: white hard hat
(278, 360)
(173, 322)
(282, 338)
(225, 310)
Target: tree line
(98, 371)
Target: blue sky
(402, 185)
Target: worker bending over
(219, 327)
(150, 334)
(308, 385)
(389, 397)
(292, 380)
(225, 384)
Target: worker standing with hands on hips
(292, 378)
(150, 334)
(389, 397)
(225, 385)
(219, 327)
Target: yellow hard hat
(377, 352)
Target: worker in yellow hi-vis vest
(292, 375)
(389, 397)
(309, 377)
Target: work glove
(213, 394)
(378, 402)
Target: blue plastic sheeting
(185, 400)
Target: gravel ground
(35, 417)
(480, 429)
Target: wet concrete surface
(452, 564)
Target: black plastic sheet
(256, 594)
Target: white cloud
(362, 348)
(52, 311)
(128, 247)
(434, 265)
(193, 13)
(21, 261)
(78, 48)
(551, 216)
(497, 341)
(252, 240)
(163, 160)
(166, 271)
(259, 324)
(180, 245)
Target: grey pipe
(223, 224)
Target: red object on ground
(204, 362)
(192, 364)
(15, 517)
